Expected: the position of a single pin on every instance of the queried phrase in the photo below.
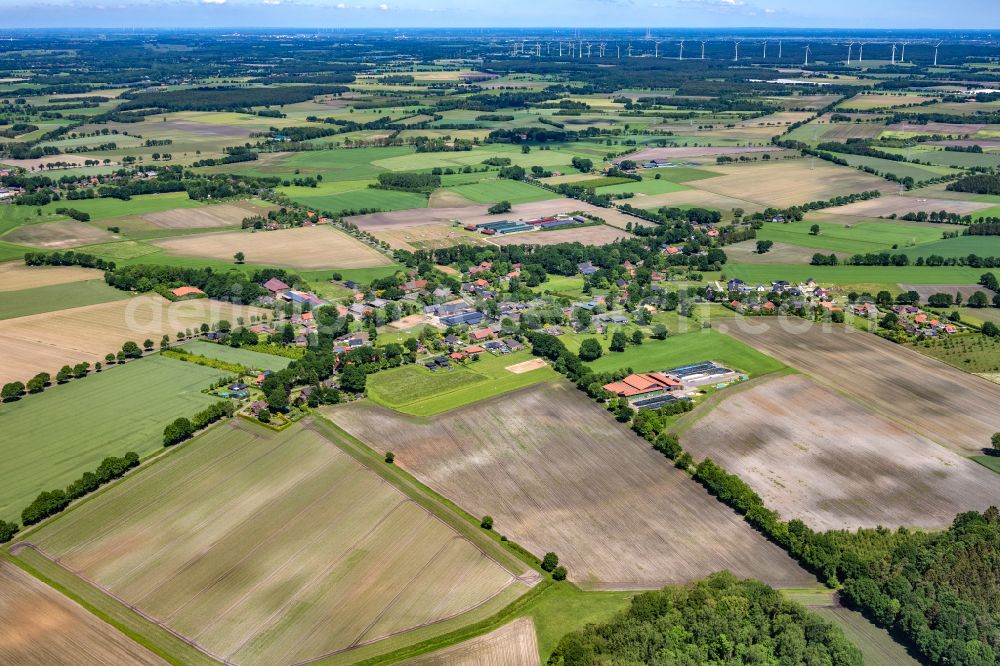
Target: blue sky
(903, 14)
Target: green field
(413, 389)
(493, 191)
(102, 209)
(57, 297)
(704, 345)
(855, 239)
(646, 186)
(865, 277)
(246, 357)
(917, 172)
(53, 438)
(990, 462)
(963, 246)
(371, 198)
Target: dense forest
(720, 620)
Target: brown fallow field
(513, 644)
(813, 454)
(789, 182)
(677, 152)
(593, 235)
(15, 276)
(946, 405)
(692, 197)
(925, 291)
(265, 548)
(47, 341)
(58, 235)
(414, 217)
(304, 247)
(40, 627)
(890, 204)
(206, 217)
(558, 473)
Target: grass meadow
(415, 390)
(854, 277)
(856, 239)
(703, 345)
(54, 437)
(246, 357)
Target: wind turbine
(629, 49)
(902, 55)
(736, 55)
(560, 49)
(807, 55)
(779, 49)
(619, 51)
(680, 55)
(893, 54)
(936, 52)
(589, 45)
(656, 49)
(765, 49)
(850, 50)
(703, 50)
(861, 52)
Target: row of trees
(53, 501)
(183, 428)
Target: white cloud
(383, 7)
(213, 2)
(272, 2)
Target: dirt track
(953, 408)
(815, 455)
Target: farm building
(647, 384)
(470, 318)
(187, 292)
(503, 227)
(276, 286)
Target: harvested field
(676, 152)
(40, 627)
(953, 408)
(15, 276)
(693, 197)
(557, 473)
(377, 222)
(965, 143)
(925, 291)
(265, 547)
(526, 366)
(513, 644)
(593, 235)
(47, 341)
(412, 321)
(937, 128)
(894, 204)
(33, 163)
(428, 236)
(789, 182)
(309, 248)
(219, 215)
(445, 198)
(780, 253)
(840, 466)
(58, 235)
